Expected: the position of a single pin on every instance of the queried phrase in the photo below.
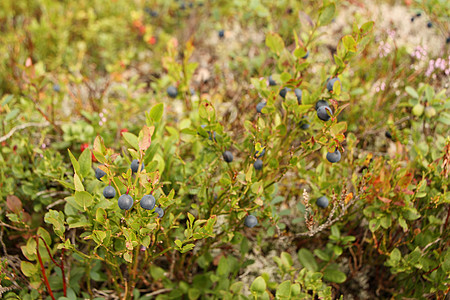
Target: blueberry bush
(224, 149)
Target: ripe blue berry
(125, 202)
(388, 135)
(298, 94)
(159, 211)
(331, 82)
(172, 91)
(109, 192)
(148, 202)
(56, 88)
(324, 113)
(306, 55)
(250, 221)
(429, 24)
(228, 156)
(322, 202)
(260, 106)
(135, 165)
(283, 92)
(271, 81)
(304, 124)
(258, 164)
(99, 173)
(221, 33)
(260, 154)
(334, 157)
(321, 103)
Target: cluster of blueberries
(324, 113)
(125, 201)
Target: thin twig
(161, 291)
(12, 227)
(57, 202)
(22, 126)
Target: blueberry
(148, 202)
(260, 154)
(412, 19)
(172, 91)
(304, 124)
(447, 41)
(125, 202)
(250, 221)
(418, 14)
(209, 132)
(135, 165)
(298, 94)
(306, 55)
(271, 81)
(429, 24)
(109, 192)
(324, 113)
(183, 6)
(388, 134)
(283, 92)
(99, 173)
(228, 156)
(260, 106)
(258, 164)
(321, 103)
(331, 82)
(221, 33)
(159, 211)
(56, 88)
(334, 157)
(322, 202)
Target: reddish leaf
(385, 200)
(14, 204)
(146, 139)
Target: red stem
(48, 251)
(61, 265)
(63, 274)
(42, 269)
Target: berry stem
(47, 284)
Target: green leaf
(333, 274)
(274, 42)
(410, 213)
(366, 27)
(157, 272)
(258, 285)
(395, 255)
(412, 92)
(349, 43)
(85, 161)
(57, 220)
(338, 128)
(84, 199)
(327, 14)
(28, 268)
(131, 139)
(322, 255)
(307, 259)
(284, 290)
(285, 76)
(156, 112)
(75, 164)
(77, 181)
